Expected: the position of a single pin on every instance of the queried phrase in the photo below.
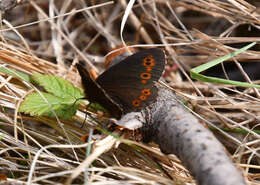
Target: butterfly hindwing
(131, 81)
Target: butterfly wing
(95, 94)
(131, 81)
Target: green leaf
(16, 74)
(60, 98)
(58, 86)
(35, 105)
(194, 73)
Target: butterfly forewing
(95, 94)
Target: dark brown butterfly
(127, 85)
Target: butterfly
(127, 85)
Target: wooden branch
(177, 131)
(7, 4)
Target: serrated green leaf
(61, 98)
(58, 86)
(35, 105)
(16, 74)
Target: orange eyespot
(146, 92)
(146, 76)
(142, 97)
(143, 82)
(148, 69)
(149, 61)
(136, 103)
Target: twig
(178, 132)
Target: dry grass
(48, 151)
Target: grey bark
(177, 131)
(7, 4)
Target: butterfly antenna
(77, 100)
(86, 115)
(85, 112)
